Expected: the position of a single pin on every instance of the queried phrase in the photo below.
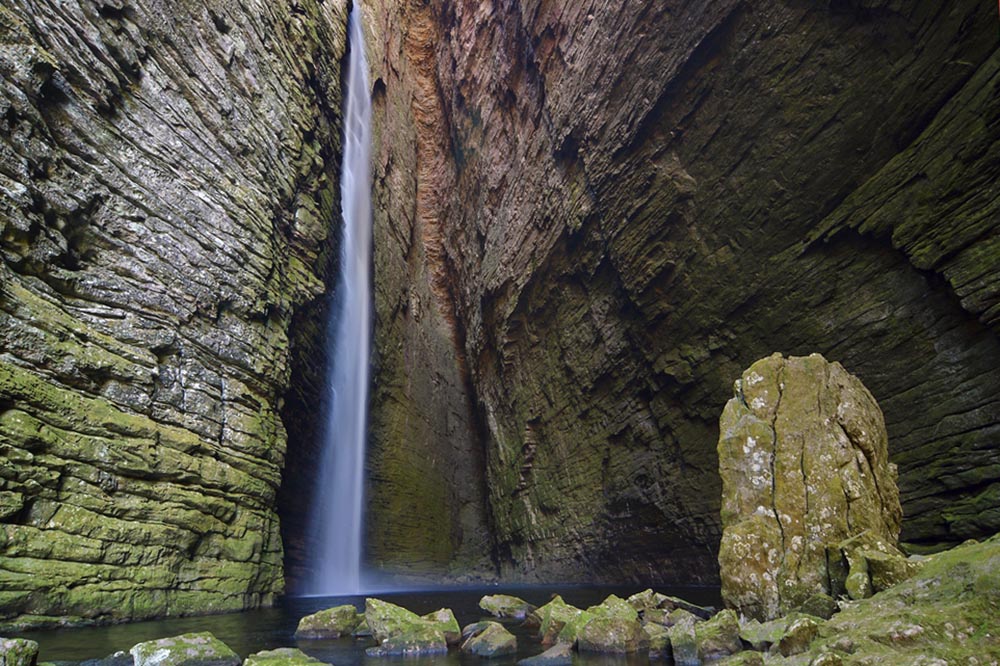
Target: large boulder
(803, 457)
(197, 649)
(329, 623)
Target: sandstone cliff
(609, 209)
(169, 172)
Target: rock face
(604, 211)
(167, 181)
(804, 462)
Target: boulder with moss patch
(196, 649)
(18, 652)
(400, 632)
(282, 657)
(553, 617)
(803, 456)
(490, 640)
(330, 623)
(505, 605)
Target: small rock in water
(402, 632)
(560, 654)
(282, 657)
(18, 652)
(330, 623)
(505, 605)
(197, 649)
(493, 640)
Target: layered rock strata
(167, 181)
(616, 207)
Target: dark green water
(271, 628)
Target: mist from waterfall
(337, 514)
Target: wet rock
(560, 654)
(444, 619)
(683, 639)
(401, 632)
(196, 649)
(330, 623)
(804, 463)
(119, 658)
(490, 641)
(505, 605)
(553, 617)
(282, 657)
(658, 640)
(611, 626)
(718, 637)
(473, 629)
(18, 652)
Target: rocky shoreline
(947, 612)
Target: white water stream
(337, 514)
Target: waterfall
(337, 514)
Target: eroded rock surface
(803, 456)
(605, 211)
(168, 175)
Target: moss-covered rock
(611, 626)
(445, 621)
(330, 623)
(399, 631)
(658, 640)
(196, 649)
(282, 657)
(491, 640)
(505, 605)
(18, 652)
(946, 613)
(553, 617)
(819, 605)
(803, 455)
(683, 639)
(718, 637)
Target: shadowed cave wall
(608, 210)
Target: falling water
(338, 511)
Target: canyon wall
(168, 176)
(605, 211)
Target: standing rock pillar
(808, 489)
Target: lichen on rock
(803, 455)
